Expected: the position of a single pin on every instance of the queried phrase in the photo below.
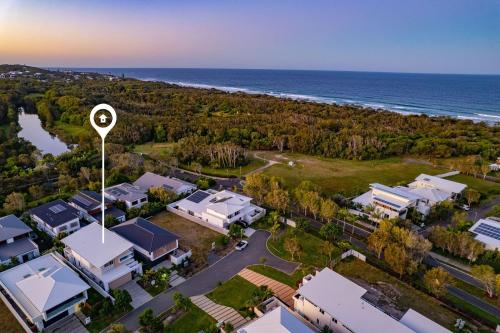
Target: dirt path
(268, 164)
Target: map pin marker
(103, 131)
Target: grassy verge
(473, 310)
(234, 293)
(195, 320)
(291, 280)
(479, 293)
(8, 324)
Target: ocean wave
(487, 115)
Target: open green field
(291, 280)
(154, 148)
(195, 320)
(233, 293)
(68, 129)
(487, 188)
(407, 296)
(8, 324)
(252, 164)
(346, 176)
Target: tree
(328, 249)
(377, 242)
(486, 275)
(181, 301)
(279, 199)
(228, 327)
(292, 246)
(396, 257)
(122, 299)
(235, 230)
(311, 200)
(330, 231)
(435, 280)
(36, 192)
(161, 194)
(302, 224)
(472, 196)
(14, 202)
(149, 323)
(328, 208)
(197, 167)
(275, 228)
(118, 328)
(256, 186)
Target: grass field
(487, 188)
(72, 130)
(291, 280)
(154, 148)
(194, 236)
(195, 320)
(346, 176)
(407, 295)
(233, 293)
(252, 164)
(8, 324)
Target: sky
(428, 36)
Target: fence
(353, 253)
(197, 220)
(287, 221)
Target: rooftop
(439, 183)
(42, 283)
(279, 320)
(145, 234)
(11, 226)
(19, 247)
(487, 231)
(421, 324)
(87, 243)
(126, 192)
(88, 200)
(431, 194)
(55, 213)
(149, 180)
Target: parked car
(242, 224)
(465, 207)
(241, 245)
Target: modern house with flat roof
(56, 217)
(110, 264)
(133, 196)
(454, 189)
(89, 204)
(43, 290)
(487, 231)
(172, 184)
(15, 241)
(150, 240)
(329, 299)
(220, 208)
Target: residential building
(495, 166)
(132, 195)
(329, 299)
(15, 241)
(172, 184)
(43, 290)
(454, 189)
(110, 263)
(150, 240)
(89, 203)
(220, 208)
(56, 217)
(421, 324)
(278, 320)
(487, 231)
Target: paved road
(482, 210)
(207, 280)
(474, 301)
(455, 272)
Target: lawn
(195, 320)
(473, 310)
(486, 187)
(8, 324)
(68, 129)
(407, 295)
(252, 164)
(194, 236)
(233, 293)
(310, 253)
(291, 280)
(346, 176)
(154, 148)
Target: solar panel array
(57, 209)
(197, 197)
(488, 230)
(117, 191)
(82, 200)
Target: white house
(43, 290)
(495, 166)
(15, 240)
(132, 195)
(487, 231)
(329, 299)
(423, 181)
(56, 217)
(110, 264)
(278, 320)
(172, 184)
(220, 208)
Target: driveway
(207, 280)
(482, 209)
(69, 324)
(139, 295)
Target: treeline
(154, 111)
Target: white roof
(421, 324)
(279, 320)
(87, 242)
(395, 192)
(341, 298)
(487, 231)
(439, 183)
(223, 202)
(41, 284)
(431, 194)
(125, 192)
(149, 180)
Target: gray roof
(88, 200)
(11, 226)
(149, 180)
(113, 211)
(125, 192)
(55, 213)
(19, 247)
(145, 234)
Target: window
(321, 311)
(135, 202)
(63, 228)
(144, 199)
(74, 224)
(125, 257)
(109, 263)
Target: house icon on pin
(103, 118)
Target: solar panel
(82, 200)
(117, 191)
(197, 197)
(57, 209)
(488, 230)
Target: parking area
(139, 295)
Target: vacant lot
(194, 236)
(346, 176)
(401, 295)
(8, 324)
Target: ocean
(474, 97)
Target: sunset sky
(445, 36)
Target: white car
(241, 245)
